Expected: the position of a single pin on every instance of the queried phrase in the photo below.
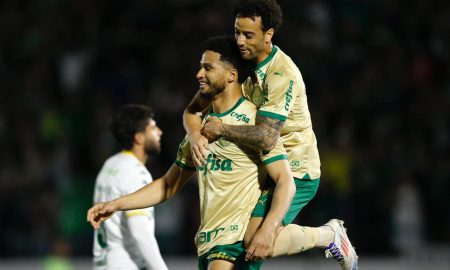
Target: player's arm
(152, 194)
(281, 95)
(262, 243)
(260, 137)
(192, 124)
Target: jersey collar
(241, 99)
(269, 58)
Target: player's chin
(246, 55)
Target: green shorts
(234, 253)
(306, 190)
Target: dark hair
(268, 10)
(229, 52)
(129, 120)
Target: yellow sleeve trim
(137, 213)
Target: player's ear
(268, 35)
(232, 76)
(139, 138)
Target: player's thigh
(220, 265)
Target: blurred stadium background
(378, 82)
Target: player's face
(152, 138)
(250, 37)
(212, 74)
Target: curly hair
(268, 10)
(129, 120)
(229, 52)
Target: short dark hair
(129, 120)
(229, 52)
(268, 10)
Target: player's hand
(101, 212)
(212, 129)
(199, 148)
(261, 245)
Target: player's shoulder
(283, 65)
(124, 163)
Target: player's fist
(101, 212)
(199, 148)
(212, 129)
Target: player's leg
(294, 239)
(227, 257)
(254, 224)
(220, 265)
(305, 191)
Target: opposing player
(127, 240)
(230, 181)
(278, 90)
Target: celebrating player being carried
(230, 182)
(277, 89)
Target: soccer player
(278, 90)
(230, 181)
(127, 240)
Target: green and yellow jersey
(230, 183)
(279, 93)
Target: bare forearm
(262, 136)
(192, 122)
(282, 199)
(254, 137)
(157, 191)
(152, 194)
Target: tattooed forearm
(263, 136)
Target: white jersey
(126, 240)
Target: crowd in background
(377, 74)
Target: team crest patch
(294, 163)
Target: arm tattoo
(262, 136)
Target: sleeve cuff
(274, 158)
(184, 166)
(272, 115)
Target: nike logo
(279, 73)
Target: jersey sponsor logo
(208, 236)
(260, 74)
(216, 164)
(240, 117)
(289, 95)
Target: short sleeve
(184, 158)
(277, 153)
(282, 89)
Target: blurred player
(127, 240)
(278, 90)
(230, 181)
